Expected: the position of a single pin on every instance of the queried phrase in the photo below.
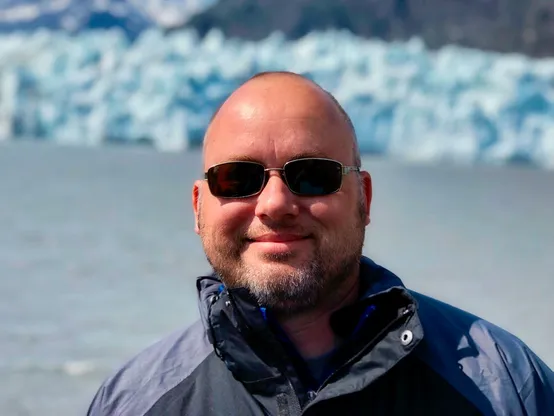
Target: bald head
(284, 94)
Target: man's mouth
(278, 238)
(279, 243)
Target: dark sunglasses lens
(235, 179)
(313, 177)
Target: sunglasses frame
(345, 170)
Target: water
(98, 257)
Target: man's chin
(282, 263)
(283, 289)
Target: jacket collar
(242, 338)
(374, 279)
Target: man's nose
(276, 201)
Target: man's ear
(367, 188)
(196, 196)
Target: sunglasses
(304, 177)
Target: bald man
(294, 320)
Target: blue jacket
(404, 354)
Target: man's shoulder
(144, 379)
(499, 363)
(452, 324)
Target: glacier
(406, 102)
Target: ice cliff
(405, 101)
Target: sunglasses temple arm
(347, 169)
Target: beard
(279, 281)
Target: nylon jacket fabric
(403, 354)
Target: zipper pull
(408, 310)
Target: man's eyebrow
(241, 158)
(304, 155)
(247, 158)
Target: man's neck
(311, 332)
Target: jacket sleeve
(537, 390)
(96, 407)
(532, 378)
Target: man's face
(290, 251)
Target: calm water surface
(98, 257)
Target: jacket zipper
(294, 408)
(405, 314)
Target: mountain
(73, 16)
(525, 26)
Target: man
(294, 320)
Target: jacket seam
(518, 390)
(125, 405)
(174, 387)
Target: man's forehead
(263, 113)
(278, 139)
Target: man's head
(291, 251)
